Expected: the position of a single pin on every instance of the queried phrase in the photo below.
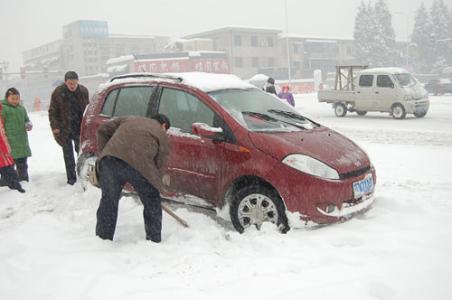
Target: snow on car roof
(207, 82)
(384, 70)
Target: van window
(133, 101)
(184, 109)
(366, 80)
(109, 103)
(384, 81)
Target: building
(170, 62)
(88, 45)
(248, 49)
(310, 53)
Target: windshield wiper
(293, 115)
(271, 119)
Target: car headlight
(309, 165)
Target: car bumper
(319, 200)
(418, 106)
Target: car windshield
(260, 111)
(405, 79)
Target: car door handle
(358, 92)
(377, 92)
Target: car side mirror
(205, 131)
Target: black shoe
(17, 187)
(154, 238)
(23, 178)
(71, 181)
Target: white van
(392, 90)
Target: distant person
(16, 124)
(270, 86)
(134, 150)
(67, 105)
(9, 176)
(286, 95)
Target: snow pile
(400, 249)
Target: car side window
(366, 80)
(384, 81)
(133, 101)
(109, 103)
(184, 109)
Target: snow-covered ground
(400, 249)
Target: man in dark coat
(66, 109)
(134, 150)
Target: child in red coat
(7, 162)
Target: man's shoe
(71, 181)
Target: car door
(122, 101)
(385, 93)
(365, 93)
(195, 162)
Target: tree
(441, 20)
(374, 35)
(422, 38)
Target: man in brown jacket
(66, 109)
(134, 150)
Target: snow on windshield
(405, 79)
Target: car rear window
(128, 101)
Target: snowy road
(401, 249)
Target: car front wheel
(253, 205)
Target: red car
(236, 147)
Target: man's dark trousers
(114, 174)
(69, 160)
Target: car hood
(416, 91)
(321, 143)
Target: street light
(407, 34)
(287, 42)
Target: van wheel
(398, 112)
(361, 112)
(340, 110)
(420, 115)
(253, 205)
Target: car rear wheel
(398, 111)
(253, 205)
(340, 110)
(361, 112)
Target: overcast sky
(29, 23)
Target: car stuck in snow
(234, 146)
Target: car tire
(340, 110)
(252, 205)
(361, 112)
(398, 111)
(420, 115)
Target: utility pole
(287, 43)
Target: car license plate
(362, 187)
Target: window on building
(239, 62)
(366, 80)
(184, 109)
(271, 62)
(254, 41)
(255, 62)
(237, 40)
(270, 42)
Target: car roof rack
(147, 75)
